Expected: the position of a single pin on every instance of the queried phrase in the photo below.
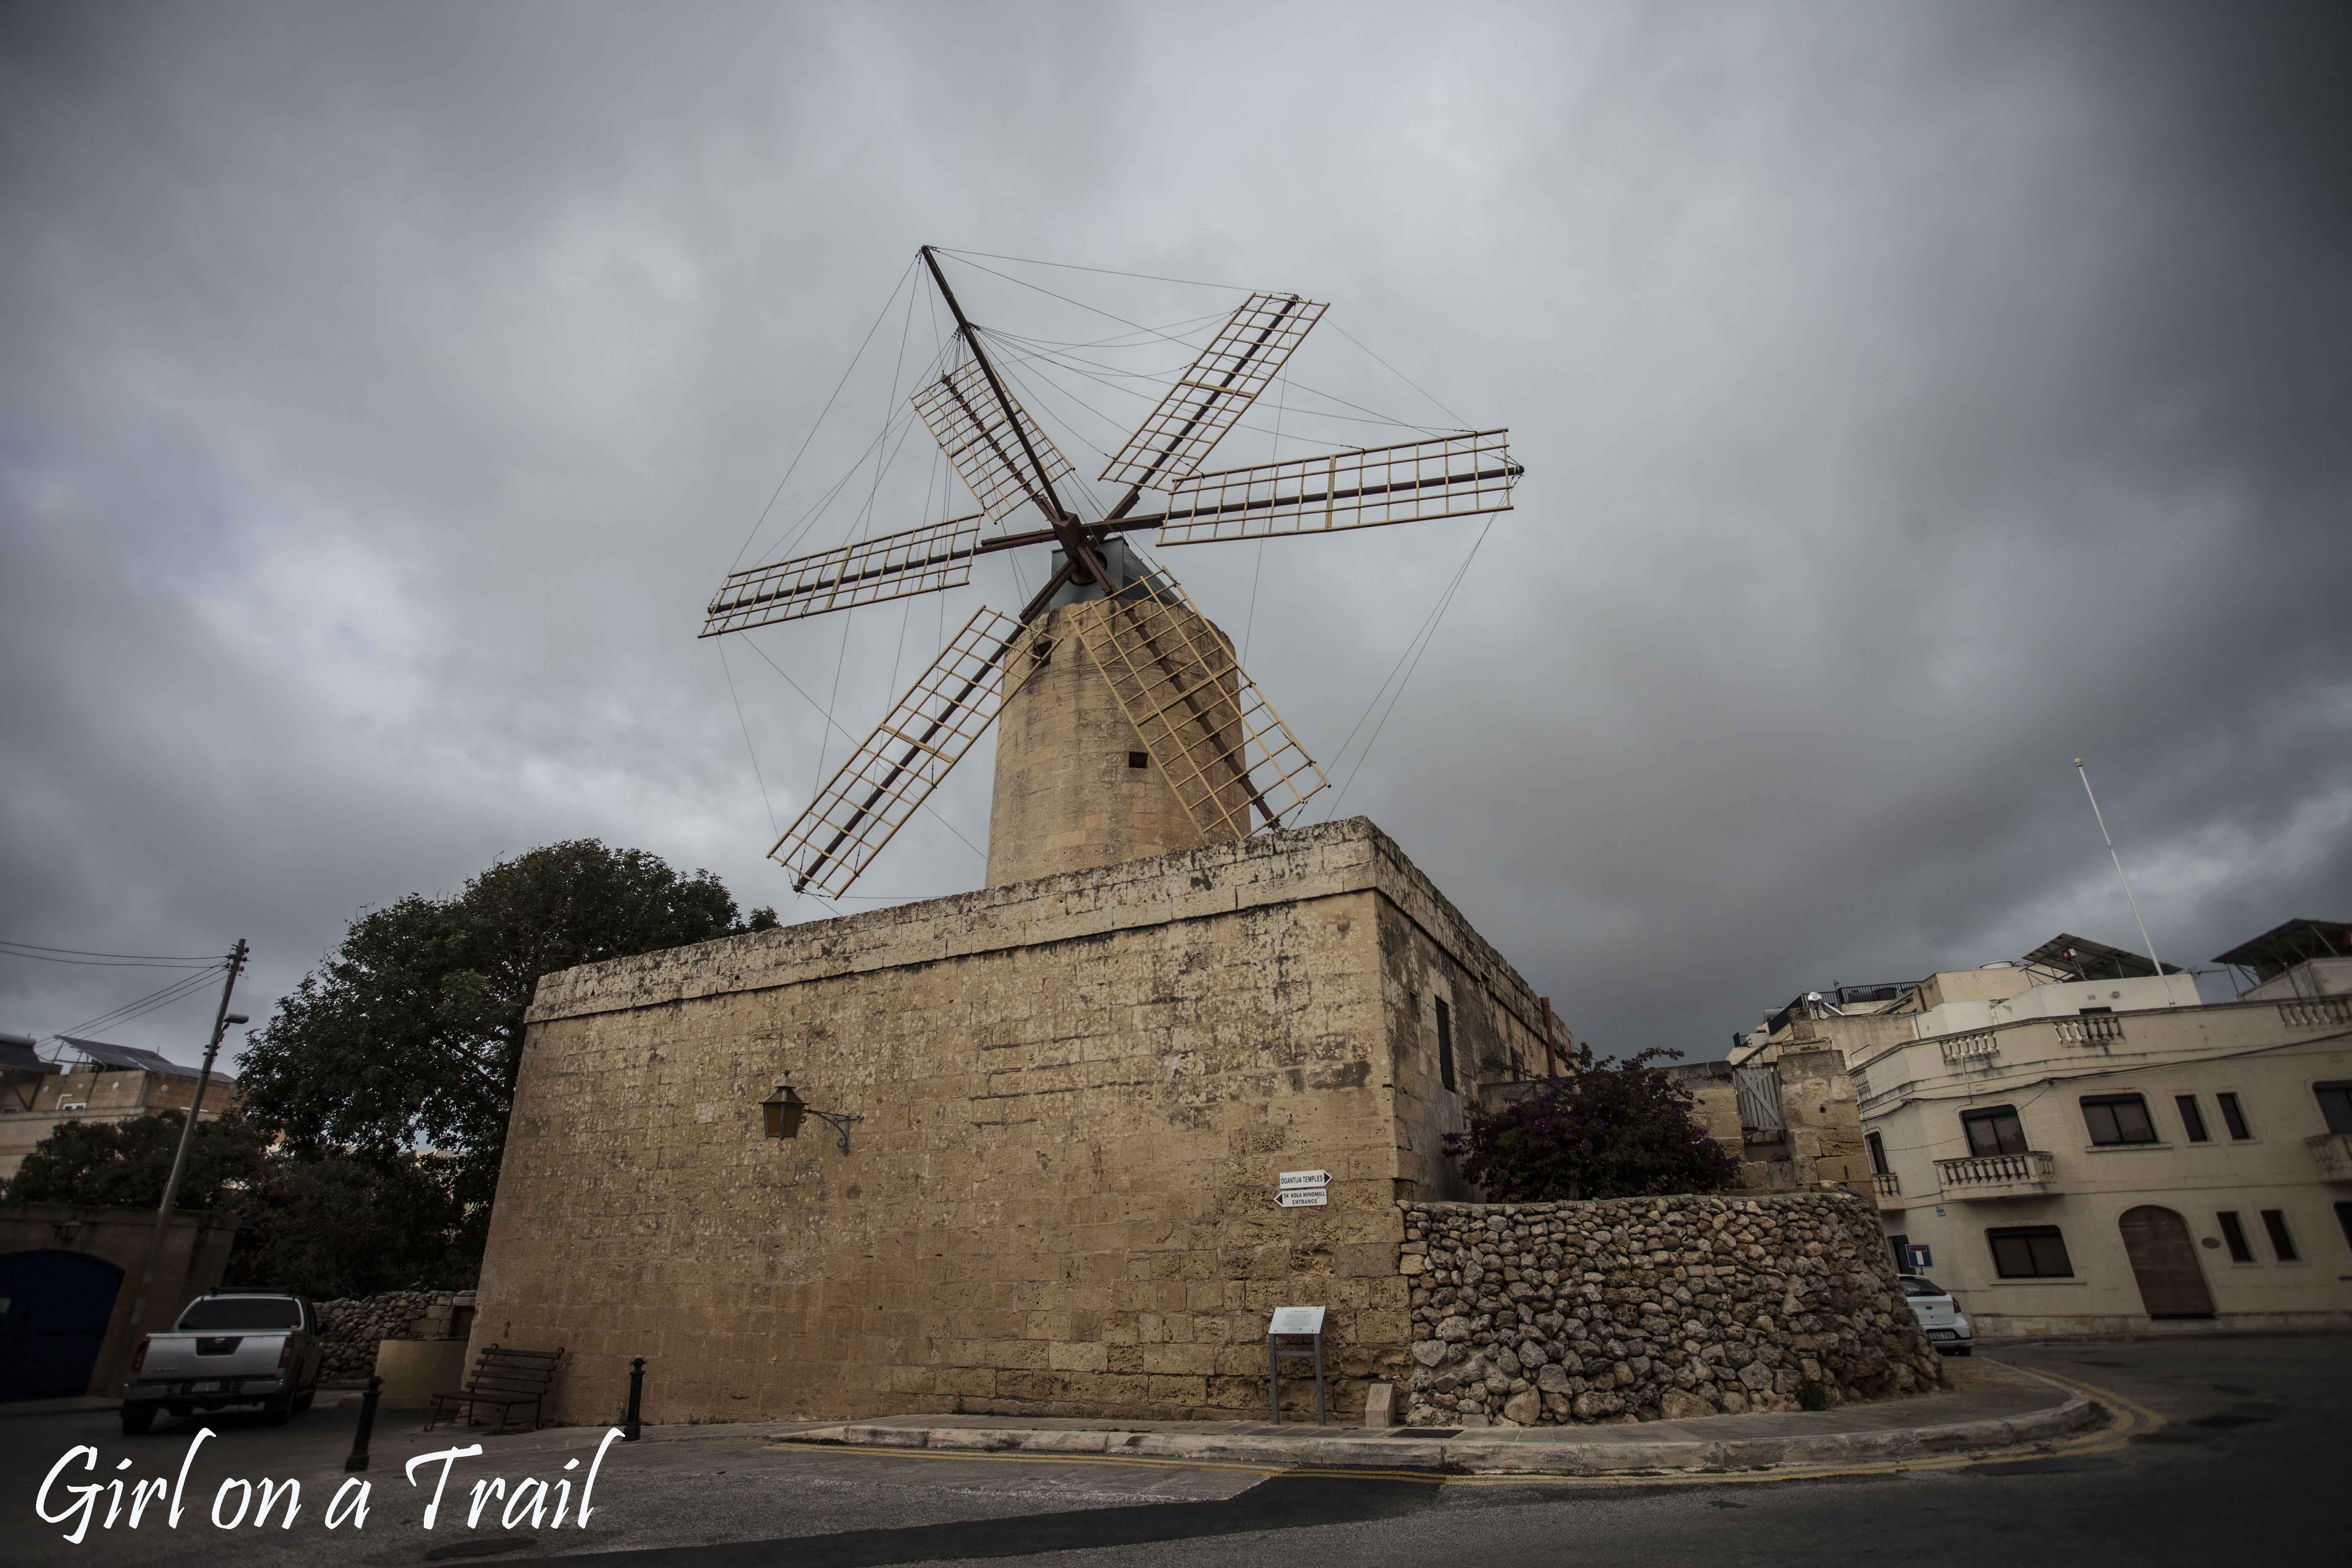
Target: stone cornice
(1298, 866)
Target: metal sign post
(1293, 1323)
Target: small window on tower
(1138, 759)
(1445, 1044)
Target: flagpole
(2170, 1000)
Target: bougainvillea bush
(1613, 1128)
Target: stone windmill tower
(1126, 728)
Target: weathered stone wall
(1078, 1094)
(1821, 1146)
(352, 1326)
(1639, 1309)
(1067, 798)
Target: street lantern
(785, 1110)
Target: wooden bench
(504, 1378)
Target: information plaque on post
(1293, 1323)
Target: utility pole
(222, 1018)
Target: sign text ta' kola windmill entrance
(1129, 728)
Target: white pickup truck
(229, 1347)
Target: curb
(1486, 1454)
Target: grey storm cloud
(1913, 399)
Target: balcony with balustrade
(2333, 1151)
(1890, 1191)
(1980, 1050)
(2092, 1031)
(2316, 1012)
(2029, 1175)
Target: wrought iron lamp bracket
(785, 1110)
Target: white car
(1946, 1325)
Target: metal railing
(1964, 1050)
(2334, 1152)
(2095, 1029)
(2315, 1012)
(1992, 1176)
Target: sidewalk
(1991, 1406)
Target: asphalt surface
(2248, 1466)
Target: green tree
(341, 1226)
(327, 1225)
(411, 1034)
(124, 1164)
(1610, 1129)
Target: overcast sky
(1913, 399)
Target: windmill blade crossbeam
(926, 560)
(1221, 747)
(976, 432)
(1246, 354)
(1450, 476)
(891, 775)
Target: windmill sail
(1451, 476)
(976, 432)
(950, 706)
(923, 560)
(1235, 765)
(1247, 353)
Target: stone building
(1078, 1093)
(108, 1083)
(1047, 1120)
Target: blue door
(54, 1308)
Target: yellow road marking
(2131, 1420)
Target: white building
(2076, 1144)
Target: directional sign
(1304, 1198)
(1291, 1179)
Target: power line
(179, 990)
(30, 948)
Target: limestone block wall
(1639, 1309)
(1077, 1092)
(1067, 798)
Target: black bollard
(359, 1456)
(631, 1429)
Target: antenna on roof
(2170, 1000)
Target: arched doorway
(2164, 1258)
(54, 1309)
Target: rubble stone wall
(1643, 1309)
(352, 1326)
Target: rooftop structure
(107, 1083)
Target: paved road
(2250, 1468)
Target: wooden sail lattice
(890, 776)
(976, 432)
(923, 560)
(1246, 354)
(1413, 481)
(1234, 764)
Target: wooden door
(2164, 1258)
